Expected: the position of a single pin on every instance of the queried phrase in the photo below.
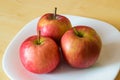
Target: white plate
(106, 67)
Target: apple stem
(55, 13)
(39, 36)
(77, 33)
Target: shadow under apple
(109, 55)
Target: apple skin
(53, 28)
(39, 58)
(81, 51)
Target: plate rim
(3, 58)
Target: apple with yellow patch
(81, 46)
(39, 54)
(53, 25)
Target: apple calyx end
(78, 33)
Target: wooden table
(14, 14)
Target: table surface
(14, 14)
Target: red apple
(81, 46)
(39, 56)
(53, 25)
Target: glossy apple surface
(40, 58)
(53, 27)
(81, 46)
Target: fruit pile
(80, 45)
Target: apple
(39, 54)
(53, 25)
(81, 46)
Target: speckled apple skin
(53, 28)
(81, 52)
(41, 58)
